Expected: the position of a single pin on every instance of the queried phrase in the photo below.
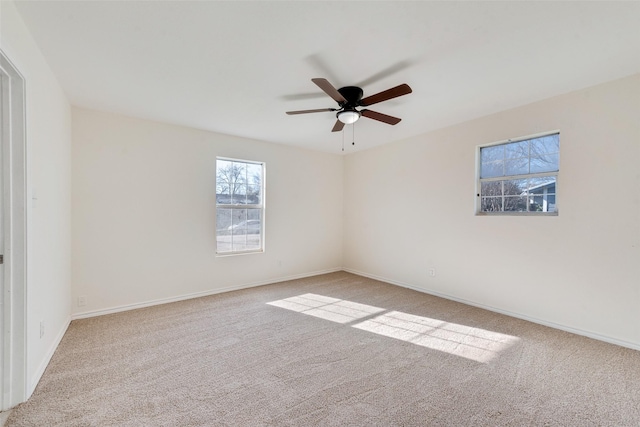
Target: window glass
(239, 206)
(517, 150)
(545, 163)
(519, 176)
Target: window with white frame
(239, 206)
(519, 176)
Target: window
(239, 206)
(519, 176)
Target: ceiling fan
(350, 97)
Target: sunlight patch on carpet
(469, 342)
(336, 310)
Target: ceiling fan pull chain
(342, 139)
(353, 134)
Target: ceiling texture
(236, 67)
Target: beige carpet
(332, 350)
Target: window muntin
(239, 206)
(519, 176)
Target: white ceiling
(236, 67)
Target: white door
(3, 312)
(13, 236)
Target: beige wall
(48, 121)
(410, 207)
(144, 206)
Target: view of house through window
(519, 176)
(239, 206)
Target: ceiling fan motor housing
(352, 94)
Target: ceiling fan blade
(397, 67)
(394, 92)
(380, 117)
(302, 96)
(330, 90)
(321, 110)
(338, 126)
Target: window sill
(228, 254)
(516, 213)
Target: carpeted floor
(3, 417)
(331, 350)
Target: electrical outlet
(82, 301)
(41, 328)
(432, 272)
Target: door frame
(13, 321)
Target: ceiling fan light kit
(348, 116)
(350, 97)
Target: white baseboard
(150, 303)
(35, 379)
(554, 325)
